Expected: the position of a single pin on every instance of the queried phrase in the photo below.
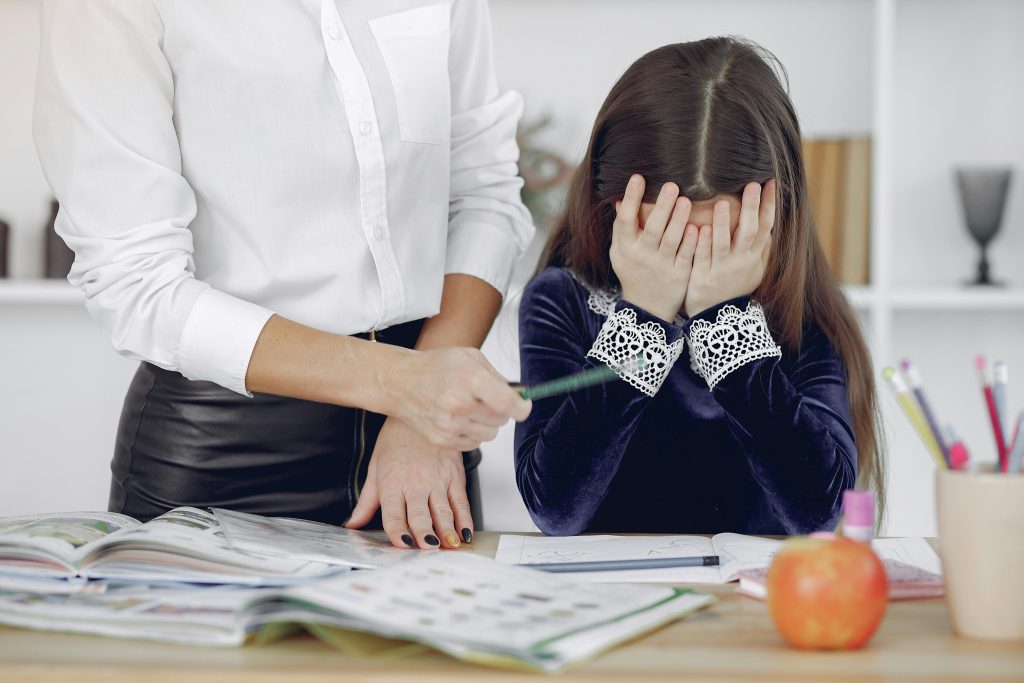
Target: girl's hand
(727, 266)
(452, 397)
(653, 262)
(420, 490)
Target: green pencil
(580, 380)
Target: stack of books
(223, 578)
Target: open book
(463, 604)
(183, 545)
(736, 552)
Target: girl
(688, 240)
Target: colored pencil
(958, 455)
(1000, 384)
(993, 412)
(580, 380)
(914, 379)
(625, 565)
(906, 401)
(1013, 460)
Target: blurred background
(893, 97)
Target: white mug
(981, 540)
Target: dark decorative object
(5, 231)
(59, 256)
(983, 195)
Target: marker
(626, 565)
(1016, 456)
(993, 412)
(910, 409)
(580, 380)
(914, 378)
(958, 455)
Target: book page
(457, 601)
(913, 551)
(514, 549)
(739, 551)
(304, 539)
(187, 544)
(56, 541)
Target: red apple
(827, 594)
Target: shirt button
(334, 31)
(365, 128)
(378, 232)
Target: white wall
(24, 196)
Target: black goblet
(983, 195)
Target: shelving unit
(38, 292)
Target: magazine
(468, 606)
(308, 540)
(183, 545)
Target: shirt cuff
(483, 250)
(218, 339)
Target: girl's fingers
(627, 211)
(702, 252)
(747, 231)
(676, 226)
(721, 230)
(684, 257)
(444, 519)
(766, 217)
(654, 227)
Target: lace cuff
(734, 339)
(622, 338)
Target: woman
(256, 193)
(688, 241)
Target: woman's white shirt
(218, 162)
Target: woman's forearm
(294, 360)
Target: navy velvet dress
(769, 449)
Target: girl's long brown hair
(712, 116)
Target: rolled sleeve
(218, 339)
(106, 141)
(489, 228)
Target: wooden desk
(732, 641)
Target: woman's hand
(727, 266)
(453, 398)
(653, 262)
(420, 490)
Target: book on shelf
(838, 174)
(467, 606)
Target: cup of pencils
(980, 509)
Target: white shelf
(955, 299)
(861, 297)
(38, 291)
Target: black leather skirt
(182, 442)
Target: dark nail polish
(407, 539)
(467, 535)
(431, 539)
